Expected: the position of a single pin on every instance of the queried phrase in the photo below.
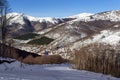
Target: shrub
(30, 58)
(42, 41)
(51, 59)
(26, 36)
(98, 57)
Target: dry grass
(31, 58)
(100, 58)
(51, 59)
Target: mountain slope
(107, 15)
(71, 33)
(21, 23)
(82, 15)
(18, 71)
(18, 18)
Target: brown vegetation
(51, 59)
(99, 57)
(31, 58)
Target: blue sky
(62, 8)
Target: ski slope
(15, 71)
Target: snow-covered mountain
(44, 19)
(21, 23)
(18, 18)
(81, 15)
(68, 33)
(107, 15)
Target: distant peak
(109, 12)
(15, 13)
(81, 15)
(18, 18)
(113, 15)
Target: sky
(62, 8)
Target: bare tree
(4, 9)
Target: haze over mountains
(69, 33)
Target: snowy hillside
(16, 18)
(21, 23)
(82, 15)
(18, 71)
(105, 36)
(44, 19)
(70, 34)
(108, 15)
(19, 18)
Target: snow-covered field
(15, 71)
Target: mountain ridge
(71, 33)
(107, 15)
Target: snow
(6, 59)
(108, 15)
(22, 41)
(106, 36)
(81, 15)
(19, 18)
(44, 19)
(44, 31)
(16, 71)
(116, 26)
(112, 39)
(16, 18)
(48, 19)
